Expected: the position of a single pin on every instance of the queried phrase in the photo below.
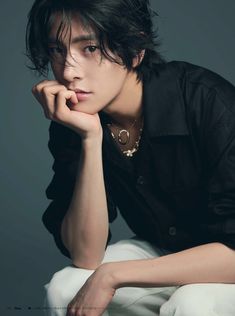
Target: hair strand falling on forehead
(122, 27)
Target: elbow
(84, 260)
(82, 256)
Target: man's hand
(94, 296)
(56, 100)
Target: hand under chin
(80, 108)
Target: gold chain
(129, 152)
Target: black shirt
(178, 190)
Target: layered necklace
(124, 135)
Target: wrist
(110, 272)
(92, 142)
(131, 273)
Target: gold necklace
(123, 132)
(129, 152)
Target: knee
(64, 285)
(189, 300)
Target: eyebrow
(77, 39)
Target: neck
(128, 106)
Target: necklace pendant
(130, 152)
(123, 138)
(126, 137)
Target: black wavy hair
(124, 27)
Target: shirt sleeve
(218, 134)
(64, 145)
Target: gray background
(201, 32)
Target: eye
(90, 48)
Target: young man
(153, 138)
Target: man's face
(84, 70)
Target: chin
(84, 109)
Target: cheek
(111, 77)
(117, 81)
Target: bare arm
(85, 226)
(208, 263)
(84, 230)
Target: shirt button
(140, 180)
(172, 231)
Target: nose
(72, 69)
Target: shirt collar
(163, 104)
(164, 109)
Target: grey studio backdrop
(201, 32)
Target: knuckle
(61, 93)
(57, 116)
(63, 88)
(40, 84)
(35, 88)
(45, 90)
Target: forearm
(85, 226)
(209, 263)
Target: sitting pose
(150, 138)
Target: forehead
(64, 27)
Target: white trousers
(205, 299)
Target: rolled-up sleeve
(66, 157)
(219, 149)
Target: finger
(38, 86)
(71, 311)
(37, 90)
(73, 98)
(61, 107)
(47, 95)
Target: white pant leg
(201, 299)
(136, 301)
(61, 289)
(128, 301)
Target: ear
(138, 59)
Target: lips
(82, 95)
(80, 91)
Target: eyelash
(60, 50)
(91, 46)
